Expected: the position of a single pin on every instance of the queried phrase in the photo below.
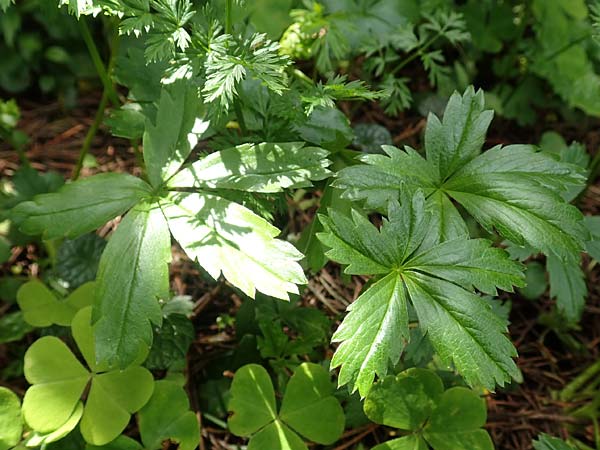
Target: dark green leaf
(170, 344)
(167, 416)
(77, 259)
(169, 139)
(132, 277)
(567, 285)
(438, 279)
(81, 206)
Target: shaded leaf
(167, 416)
(81, 206)
(265, 167)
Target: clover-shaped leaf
(41, 308)
(120, 443)
(11, 424)
(415, 401)
(308, 408)
(36, 439)
(59, 380)
(167, 416)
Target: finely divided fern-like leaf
(438, 279)
(228, 62)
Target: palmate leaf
(415, 401)
(515, 189)
(438, 279)
(52, 406)
(308, 408)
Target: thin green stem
(229, 17)
(574, 386)
(98, 64)
(89, 137)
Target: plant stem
(571, 389)
(98, 64)
(229, 17)
(89, 137)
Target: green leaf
(327, 127)
(515, 190)
(547, 442)
(415, 400)
(4, 250)
(81, 206)
(473, 263)
(535, 279)
(170, 344)
(438, 279)
(11, 423)
(308, 406)
(457, 421)
(77, 259)
(225, 237)
(464, 330)
(567, 285)
(412, 442)
(252, 401)
(593, 245)
(121, 443)
(373, 334)
(265, 167)
(167, 416)
(169, 140)
(58, 381)
(404, 401)
(458, 138)
(369, 137)
(132, 277)
(41, 308)
(277, 436)
(13, 327)
(113, 397)
(36, 438)
(51, 404)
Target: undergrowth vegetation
(251, 168)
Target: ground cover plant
(294, 224)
